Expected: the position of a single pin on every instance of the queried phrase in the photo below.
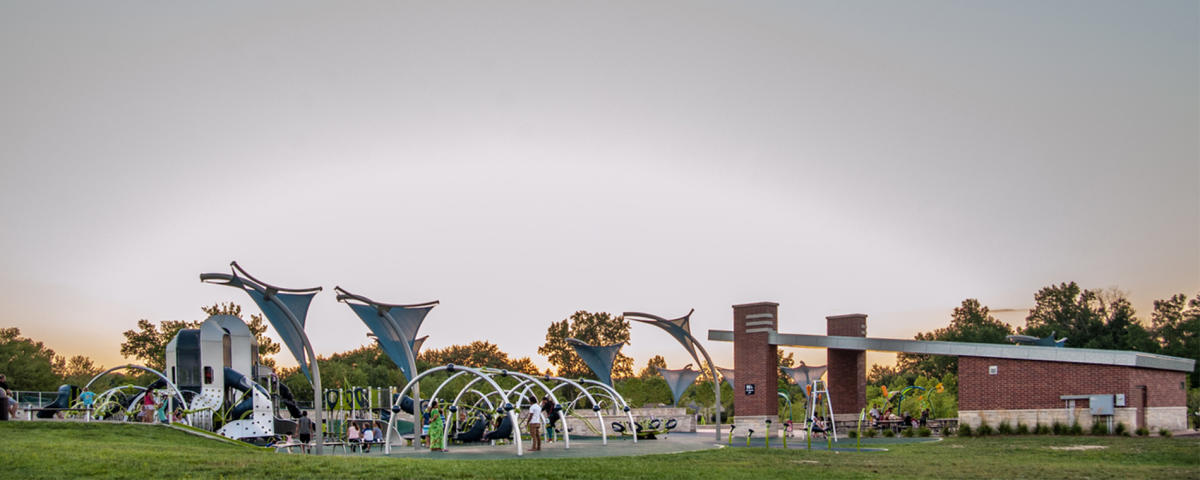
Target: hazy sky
(522, 160)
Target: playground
(216, 411)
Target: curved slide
(63, 400)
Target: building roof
(965, 349)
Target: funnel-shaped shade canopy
(804, 374)
(395, 327)
(679, 380)
(727, 374)
(279, 305)
(599, 359)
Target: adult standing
(535, 425)
(552, 416)
(148, 406)
(437, 426)
(304, 427)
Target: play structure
(213, 381)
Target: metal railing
(31, 399)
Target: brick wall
(847, 375)
(755, 360)
(1032, 384)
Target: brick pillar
(847, 374)
(755, 362)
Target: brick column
(755, 362)
(847, 374)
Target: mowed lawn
(73, 450)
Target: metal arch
(691, 345)
(417, 414)
(268, 292)
(549, 391)
(105, 397)
(584, 392)
(159, 374)
(482, 398)
(615, 395)
(788, 399)
(444, 383)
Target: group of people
(365, 437)
(541, 414)
(908, 420)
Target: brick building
(1014, 383)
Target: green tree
(652, 367)
(148, 343)
(1088, 318)
(77, 370)
(29, 365)
(257, 325)
(970, 322)
(1175, 327)
(599, 328)
(477, 354)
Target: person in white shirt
(368, 437)
(535, 425)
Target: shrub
(1042, 429)
(1058, 428)
(1143, 431)
(964, 430)
(984, 429)
(889, 433)
(1076, 429)
(924, 432)
(1121, 429)
(1099, 428)
(1162, 432)
(852, 434)
(1004, 428)
(872, 433)
(1022, 429)
(908, 432)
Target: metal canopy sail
(727, 374)
(395, 326)
(681, 329)
(287, 310)
(598, 358)
(679, 380)
(804, 374)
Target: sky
(520, 161)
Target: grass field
(71, 450)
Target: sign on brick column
(755, 359)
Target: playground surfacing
(585, 447)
